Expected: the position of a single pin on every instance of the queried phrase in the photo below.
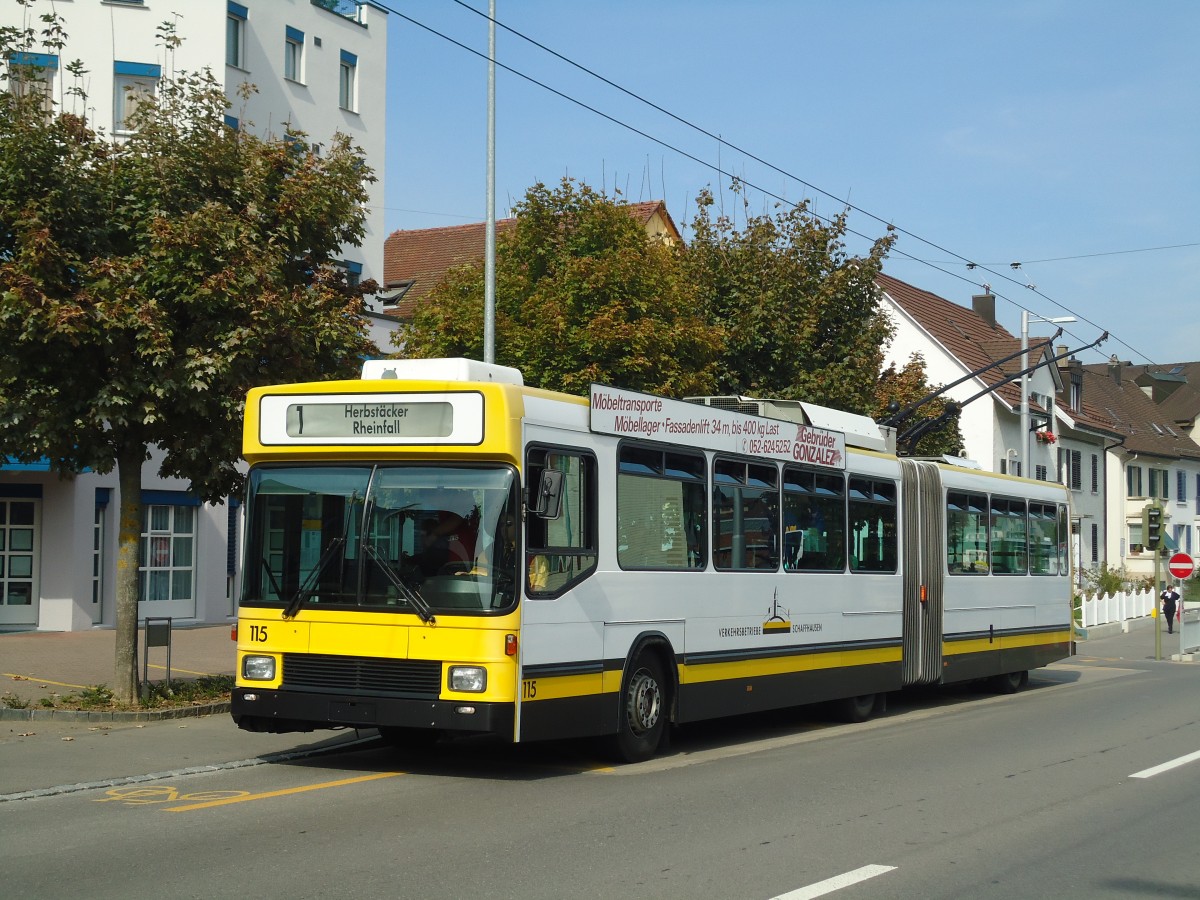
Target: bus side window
(561, 551)
(661, 515)
(872, 515)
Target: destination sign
(630, 414)
(371, 419)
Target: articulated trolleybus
(438, 549)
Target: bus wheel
(409, 738)
(1010, 682)
(855, 709)
(643, 714)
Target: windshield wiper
(409, 592)
(310, 583)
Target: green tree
(910, 384)
(582, 295)
(146, 285)
(802, 318)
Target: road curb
(96, 715)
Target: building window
(1095, 474)
(1076, 391)
(32, 75)
(353, 271)
(235, 35)
(1181, 486)
(166, 568)
(98, 554)
(1040, 473)
(1135, 537)
(1095, 544)
(133, 85)
(1133, 481)
(1158, 484)
(1070, 464)
(19, 531)
(348, 82)
(293, 55)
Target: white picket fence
(1117, 607)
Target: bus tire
(1010, 682)
(642, 718)
(855, 709)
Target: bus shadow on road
(493, 758)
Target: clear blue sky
(1063, 134)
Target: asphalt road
(1053, 792)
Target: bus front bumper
(275, 711)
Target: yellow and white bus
(437, 548)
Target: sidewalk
(1133, 640)
(36, 664)
(52, 753)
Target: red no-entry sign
(1181, 565)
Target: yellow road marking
(281, 793)
(83, 687)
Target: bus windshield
(403, 538)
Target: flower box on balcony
(1046, 437)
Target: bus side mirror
(547, 501)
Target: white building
(320, 67)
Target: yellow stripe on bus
(1004, 642)
(786, 665)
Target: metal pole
(1157, 609)
(1026, 470)
(489, 283)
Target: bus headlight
(258, 668)
(470, 679)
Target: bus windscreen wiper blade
(306, 589)
(409, 592)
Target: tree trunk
(129, 536)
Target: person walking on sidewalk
(1169, 597)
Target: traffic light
(1152, 526)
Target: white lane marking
(836, 883)
(1167, 766)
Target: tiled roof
(421, 258)
(1138, 419)
(1182, 404)
(977, 342)
(965, 334)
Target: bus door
(924, 567)
(562, 654)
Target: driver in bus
(447, 536)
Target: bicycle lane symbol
(146, 796)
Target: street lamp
(1025, 319)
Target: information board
(631, 414)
